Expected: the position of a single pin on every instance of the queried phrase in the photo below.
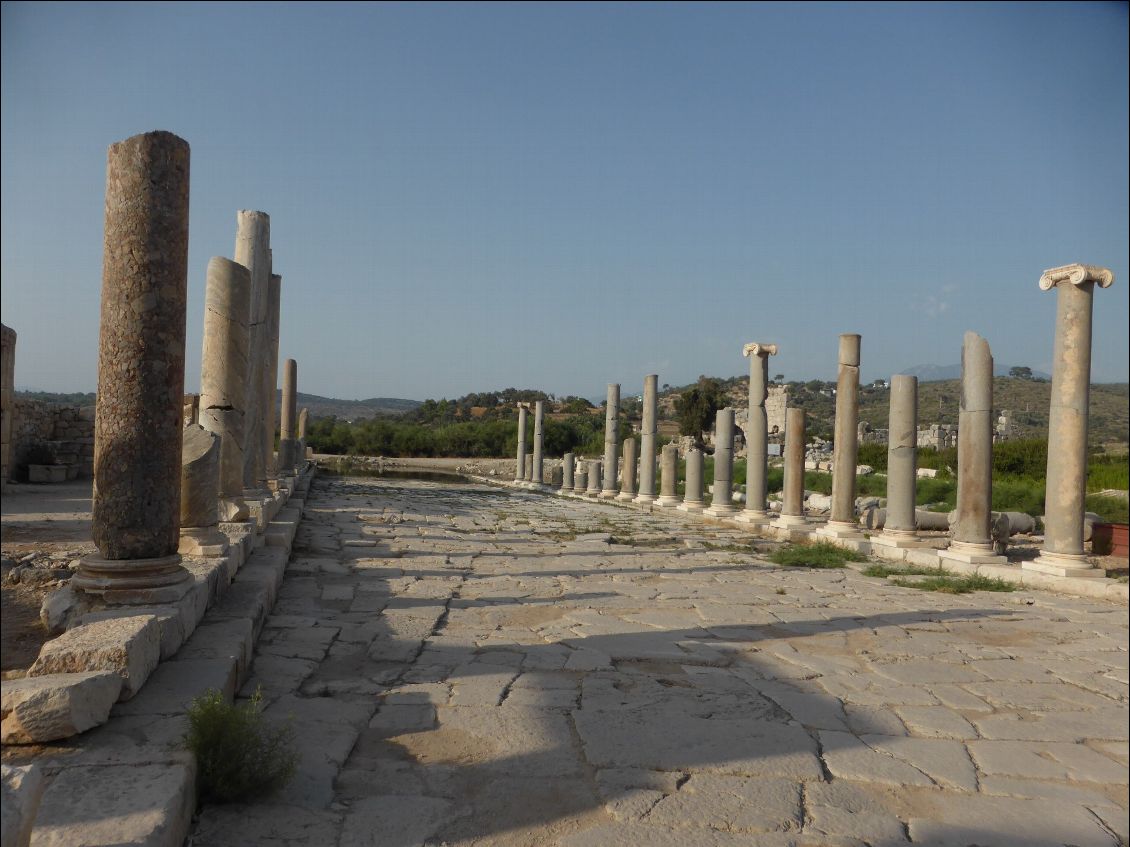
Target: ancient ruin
(647, 439)
(757, 433)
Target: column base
(839, 529)
(971, 554)
(564, 492)
(1063, 564)
(594, 493)
(667, 501)
(692, 506)
(206, 541)
(644, 498)
(134, 582)
(898, 539)
(625, 496)
(609, 494)
(722, 510)
(751, 516)
(790, 522)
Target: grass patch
(951, 584)
(730, 547)
(821, 555)
(1111, 509)
(884, 571)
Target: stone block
(232, 638)
(129, 646)
(47, 708)
(21, 788)
(174, 624)
(174, 685)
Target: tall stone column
(520, 467)
(288, 441)
(722, 504)
(7, 399)
(271, 375)
(628, 475)
(757, 434)
(539, 424)
(669, 476)
(567, 468)
(138, 417)
(581, 478)
(900, 529)
(692, 498)
(1062, 553)
(253, 251)
(972, 540)
(845, 448)
(648, 430)
(611, 440)
(594, 478)
(223, 375)
(792, 506)
(303, 422)
(200, 477)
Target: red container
(1109, 539)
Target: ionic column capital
(755, 348)
(1077, 275)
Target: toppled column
(972, 536)
(757, 434)
(567, 468)
(647, 439)
(536, 473)
(1062, 553)
(271, 375)
(669, 476)
(288, 440)
(253, 251)
(594, 479)
(138, 417)
(628, 475)
(581, 478)
(611, 440)
(303, 422)
(722, 505)
(223, 375)
(692, 497)
(520, 467)
(845, 448)
(792, 506)
(900, 529)
(200, 478)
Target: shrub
(239, 755)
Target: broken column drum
(845, 448)
(757, 433)
(537, 475)
(669, 476)
(692, 497)
(647, 439)
(792, 506)
(594, 478)
(628, 476)
(223, 375)
(567, 468)
(581, 478)
(200, 478)
(520, 467)
(288, 441)
(722, 503)
(611, 440)
(138, 417)
(253, 251)
(1062, 553)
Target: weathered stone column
(581, 478)
(722, 504)
(520, 467)
(1062, 553)
(757, 434)
(567, 468)
(138, 418)
(792, 506)
(611, 440)
(253, 251)
(692, 497)
(972, 540)
(900, 529)
(594, 478)
(845, 448)
(628, 475)
(539, 424)
(7, 399)
(271, 374)
(303, 421)
(648, 428)
(288, 441)
(669, 476)
(200, 477)
(223, 375)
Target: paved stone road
(470, 665)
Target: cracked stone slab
(55, 706)
(730, 804)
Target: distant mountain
(937, 373)
(351, 410)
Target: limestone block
(21, 788)
(47, 708)
(129, 646)
(175, 623)
(59, 608)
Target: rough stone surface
(130, 647)
(21, 789)
(54, 706)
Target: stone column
(7, 399)
(972, 540)
(529, 469)
(611, 440)
(845, 448)
(303, 422)
(566, 474)
(520, 467)
(628, 475)
(594, 478)
(581, 478)
(539, 424)
(900, 529)
(253, 251)
(669, 476)
(1062, 553)
(648, 430)
(138, 419)
(288, 441)
(757, 434)
(271, 374)
(200, 477)
(722, 504)
(792, 506)
(692, 498)
(223, 375)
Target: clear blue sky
(469, 197)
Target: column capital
(523, 405)
(755, 348)
(1076, 274)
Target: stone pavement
(469, 665)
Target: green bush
(239, 755)
(874, 455)
(1111, 509)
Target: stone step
(47, 708)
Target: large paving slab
(467, 664)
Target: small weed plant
(240, 756)
(821, 555)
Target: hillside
(351, 410)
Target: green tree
(1020, 372)
(695, 408)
